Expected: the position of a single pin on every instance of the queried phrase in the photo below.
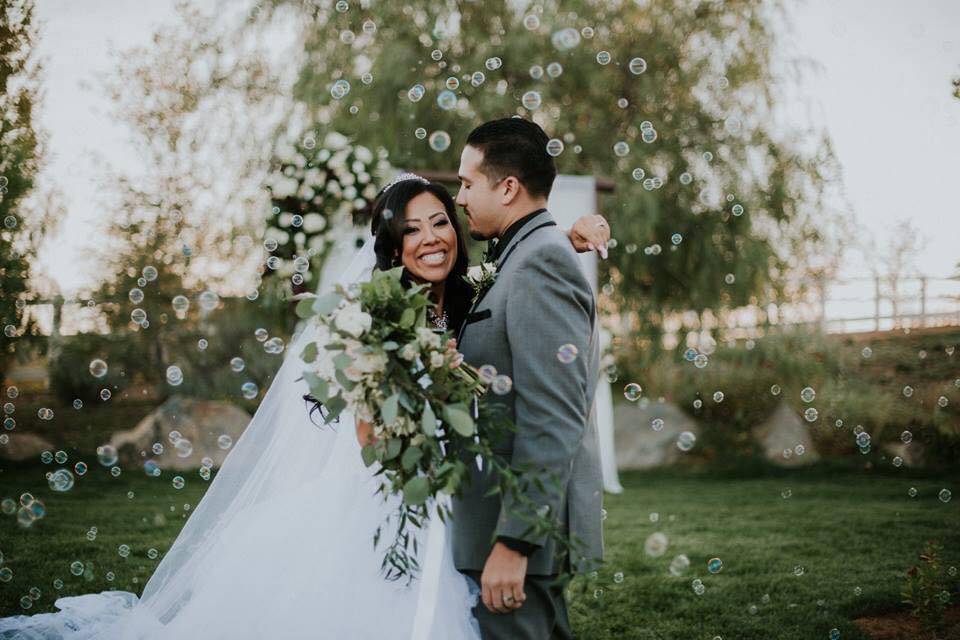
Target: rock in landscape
(205, 425)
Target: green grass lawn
(847, 529)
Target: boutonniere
(481, 278)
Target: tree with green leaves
(20, 156)
(175, 258)
(715, 207)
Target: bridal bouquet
(375, 357)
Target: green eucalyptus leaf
(416, 491)
(407, 318)
(393, 448)
(428, 421)
(309, 353)
(369, 455)
(304, 308)
(388, 412)
(411, 457)
(326, 304)
(319, 388)
(458, 417)
(335, 406)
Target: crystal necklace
(440, 322)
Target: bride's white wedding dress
(281, 547)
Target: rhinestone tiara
(403, 177)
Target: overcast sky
(883, 93)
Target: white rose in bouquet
(353, 320)
(427, 338)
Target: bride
(281, 545)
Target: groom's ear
(509, 189)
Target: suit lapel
(541, 221)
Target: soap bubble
(649, 135)
(249, 390)
(180, 304)
(618, 577)
(657, 424)
(655, 545)
(907, 391)
(912, 492)
(452, 83)
(436, 55)
(945, 495)
(811, 414)
(209, 300)
(531, 100)
(603, 57)
(107, 455)
(621, 149)
(416, 93)
(632, 392)
(714, 565)
(178, 482)
(149, 273)
(98, 368)
(105, 394)
(447, 100)
(135, 295)
(501, 385)
(477, 78)
(494, 63)
(183, 447)
(686, 440)
(531, 21)
(439, 140)
(867, 352)
(61, 480)
(679, 565)
(420, 133)
(942, 401)
(906, 437)
(567, 353)
(261, 334)
(174, 375)
(237, 364)
(808, 394)
(138, 315)
(224, 442)
(718, 396)
(737, 209)
(637, 66)
(554, 147)
(565, 39)
(340, 89)
(487, 373)
(554, 69)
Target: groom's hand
(590, 233)
(502, 579)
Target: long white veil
(280, 449)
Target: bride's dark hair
(387, 229)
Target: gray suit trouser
(542, 617)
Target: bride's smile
(429, 240)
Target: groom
(536, 324)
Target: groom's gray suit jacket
(539, 302)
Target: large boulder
(638, 444)
(23, 446)
(785, 431)
(202, 423)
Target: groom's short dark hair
(515, 147)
